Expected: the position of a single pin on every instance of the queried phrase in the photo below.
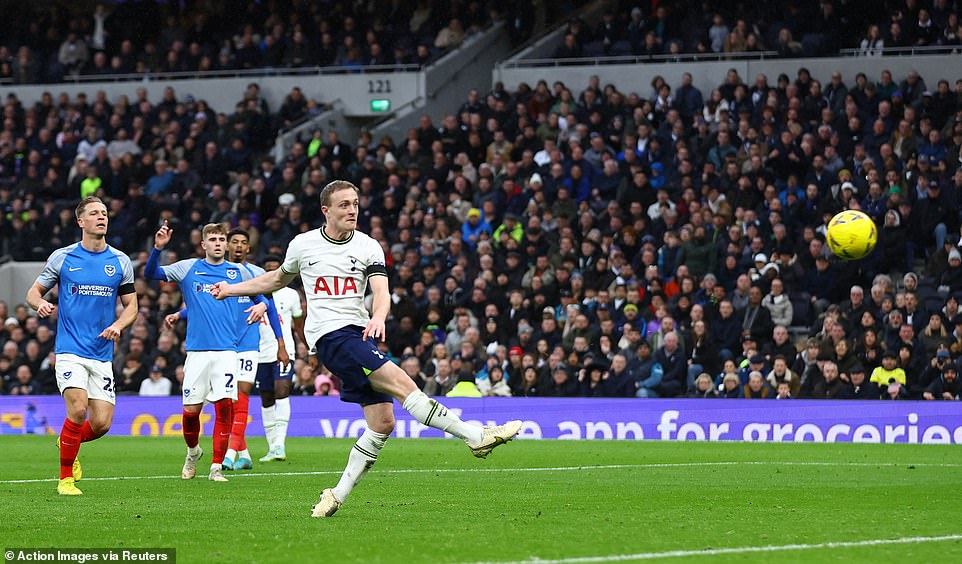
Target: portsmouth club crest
(232, 274)
(110, 269)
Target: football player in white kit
(273, 379)
(336, 264)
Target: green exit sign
(380, 105)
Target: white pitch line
(733, 550)
(528, 469)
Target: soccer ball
(852, 235)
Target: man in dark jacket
(831, 386)
(725, 330)
(931, 214)
(860, 387)
(621, 380)
(946, 387)
(561, 385)
(672, 361)
(755, 318)
(820, 283)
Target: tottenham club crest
(232, 274)
(110, 269)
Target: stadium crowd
(49, 42)
(559, 240)
(790, 29)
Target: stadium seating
(114, 40)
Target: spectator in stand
(946, 387)
(156, 384)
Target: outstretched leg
(391, 379)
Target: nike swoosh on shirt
(72, 269)
(313, 263)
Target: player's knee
(383, 425)
(77, 411)
(100, 426)
(267, 399)
(223, 409)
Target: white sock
(270, 426)
(244, 454)
(194, 450)
(231, 454)
(216, 467)
(433, 414)
(363, 456)
(282, 416)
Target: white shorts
(96, 377)
(248, 366)
(210, 376)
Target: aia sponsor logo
(335, 286)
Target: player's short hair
(273, 258)
(334, 186)
(213, 229)
(238, 231)
(82, 206)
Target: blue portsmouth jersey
(88, 285)
(250, 339)
(212, 324)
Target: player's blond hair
(82, 206)
(213, 229)
(334, 186)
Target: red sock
(222, 425)
(69, 447)
(87, 433)
(238, 440)
(191, 427)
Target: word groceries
(81, 555)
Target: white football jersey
(288, 304)
(335, 276)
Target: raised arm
(264, 284)
(153, 270)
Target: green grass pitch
(428, 500)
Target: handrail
(696, 57)
(633, 59)
(239, 73)
(898, 51)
